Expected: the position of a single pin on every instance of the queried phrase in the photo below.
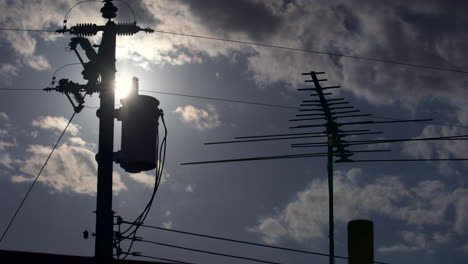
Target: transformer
(139, 140)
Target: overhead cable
(334, 54)
(243, 242)
(208, 252)
(235, 101)
(35, 180)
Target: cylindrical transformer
(139, 115)
(360, 242)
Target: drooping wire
(235, 101)
(35, 180)
(220, 99)
(129, 7)
(334, 54)
(209, 252)
(136, 224)
(427, 67)
(52, 82)
(28, 30)
(163, 259)
(242, 242)
(65, 18)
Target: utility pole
(104, 158)
(102, 64)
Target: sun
(123, 85)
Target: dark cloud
(254, 18)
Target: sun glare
(123, 85)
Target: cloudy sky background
(420, 210)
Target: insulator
(127, 29)
(109, 10)
(86, 29)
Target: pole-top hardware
(86, 234)
(109, 10)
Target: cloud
(189, 188)
(167, 224)
(147, 179)
(426, 204)
(4, 116)
(39, 63)
(144, 178)
(272, 229)
(77, 141)
(70, 169)
(55, 123)
(199, 118)
(441, 149)
(7, 70)
(6, 161)
(4, 145)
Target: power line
(20, 89)
(334, 54)
(208, 252)
(221, 99)
(35, 180)
(29, 30)
(243, 242)
(233, 101)
(163, 259)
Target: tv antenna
(333, 115)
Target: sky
(419, 209)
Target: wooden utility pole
(103, 64)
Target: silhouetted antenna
(329, 112)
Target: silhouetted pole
(103, 64)
(360, 242)
(104, 214)
(331, 230)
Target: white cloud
(199, 118)
(70, 169)
(4, 116)
(8, 70)
(4, 145)
(167, 224)
(427, 203)
(55, 123)
(147, 179)
(189, 188)
(144, 178)
(272, 230)
(6, 160)
(440, 149)
(39, 63)
(77, 141)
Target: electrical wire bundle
(131, 231)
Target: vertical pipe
(360, 242)
(104, 214)
(331, 234)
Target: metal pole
(104, 214)
(331, 235)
